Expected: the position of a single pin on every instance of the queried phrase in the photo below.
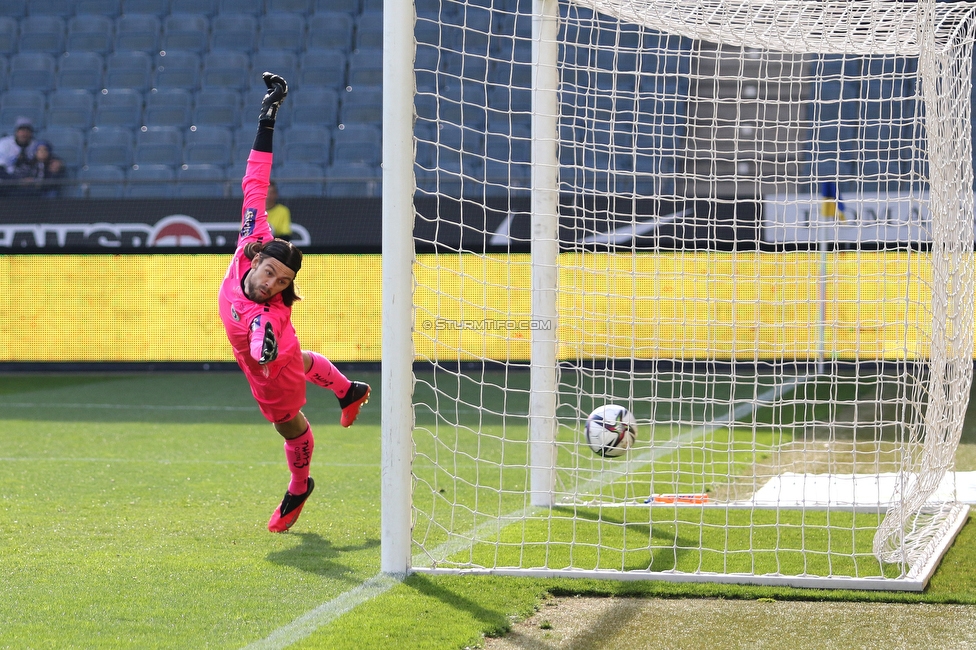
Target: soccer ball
(610, 430)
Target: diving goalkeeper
(256, 298)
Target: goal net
(750, 223)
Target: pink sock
(298, 452)
(324, 374)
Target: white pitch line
(125, 407)
(379, 584)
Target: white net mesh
(765, 232)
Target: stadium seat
(90, 33)
(352, 180)
(80, 70)
(118, 107)
(8, 35)
(155, 7)
(40, 33)
(252, 7)
(372, 5)
(366, 68)
(128, 70)
(4, 72)
(149, 181)
(206, 7)
(299, 179)
(226, 69)
(158, 145)
(60, 8)
(187, 32)
(67, 143)
(330, 30)
(233, 31)
(13, 8)
(311, 144)
(21, 103)
(72, 108)
(109, 145)
(303, 7)
(137, 33)
(282, 62)
(369, 30)
(361, 105)
(217, 107)
(172, 107)
(211, 145)
(318, 106)
(32, 71)
(102, 181)
(357, 143)
(177, 70)
(110, 8)
(323, 68)
(351, 7)
(201, 181)
(283, 31)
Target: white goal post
(750, 222)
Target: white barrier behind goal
(749, 223)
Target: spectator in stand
(279, 216)
(41, 175)
(21, 146)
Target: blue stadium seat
(352, 180)
(217, 107)
(330, 30)
(307, 143)
(119, 107)
(67, 143)
(4, 72)
(226, 69)
(357, 143)
(323, 68)
(233, 31)
(60, 8)
(351, 7)
(155, 7)
(177, 70)
(252, 7)
(32, 71)
(72, 108)
(13, 8)
(361, 105)
(366, 68)
(41, 34)
(211, 145)
(282, 62)
(206, 7)
(373, 5)
(283, 31)
(299, 179)
(201, 181)
(90, 33)
(149, 181)
(296, 6)
(102, 181)
(318, 106)
(158, 145)
(187, 32)
(109, 8)
(172, 107)
(137, 33)
(80, 70)
(243, 141)
(21, 103)
(109, 145)
(369, 30)
(128, 70)
(8, 35)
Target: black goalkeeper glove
(277, 90)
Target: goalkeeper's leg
(352, 394)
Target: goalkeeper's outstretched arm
(258, 174)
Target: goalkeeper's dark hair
(286, 253)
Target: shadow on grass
(494, 623)
(317, 555)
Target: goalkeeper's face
(268, 278)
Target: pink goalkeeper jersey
(244, 319)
